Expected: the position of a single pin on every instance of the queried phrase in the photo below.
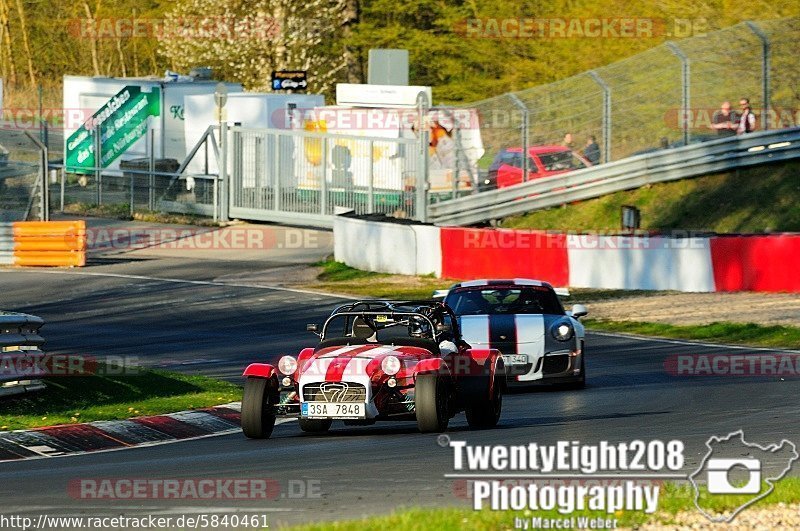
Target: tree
(245, 40)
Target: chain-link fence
(21, 159)
(666, 96)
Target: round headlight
(390, 365)
(287, 365)
(563, 332)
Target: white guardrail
(669, 164)
(19, 342)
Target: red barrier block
(756, 263)
(499, 253)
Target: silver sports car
(540, 342)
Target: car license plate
(333, 410)
(515, 359)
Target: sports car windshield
(514, 300)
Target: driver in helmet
(420, 327)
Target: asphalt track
(198, 323)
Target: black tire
(315, 425)
(486, 414)
(580, 383)
(258, 407)
(430, 403)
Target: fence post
(224, 196)
(44, 186)
(523, 131)
(323, 184)
(765, 71)
(685, 83)
(276, 170)
(371, 186)
(151, 187)
(98, 162)
(421, 185)
(606, 120)
(63, 186)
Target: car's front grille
(334, 392)
(555, 364)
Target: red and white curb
(73, 439)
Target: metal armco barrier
(6, 244)
(43, 243)
(665, 165)
(19, 339)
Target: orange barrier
(50, 243)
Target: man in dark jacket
(592, 151)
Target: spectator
(592, 151)
(663, 143)
(568, 142)
(747, 122)
(724, 121)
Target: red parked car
(543, 161)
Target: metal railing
(660, 166)
(666, 94)
(19, 339)
(305, 178)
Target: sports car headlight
(563, 332)
(287, 365)
(390, 365)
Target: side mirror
(312, 327)
(579, 310)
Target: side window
(532, 168)
(507, 157)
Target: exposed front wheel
(430, 402)
(258, 407)
(486, 414)
(315, 425)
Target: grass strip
(673, 498)
(72, 399)
(724, 332)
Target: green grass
(755, 200)
(71, 399)
(723, 332)
(337, 277)
(672, 499)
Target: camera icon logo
(727, 473)
(719, 480)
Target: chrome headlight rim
(287, 365)
(391, 365)
(562, 331)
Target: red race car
(378, 360)
(543, 161)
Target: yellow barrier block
(27, 229)
(69, 242)
(50, 258)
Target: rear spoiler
(440, 294)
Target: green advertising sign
(121, 122)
